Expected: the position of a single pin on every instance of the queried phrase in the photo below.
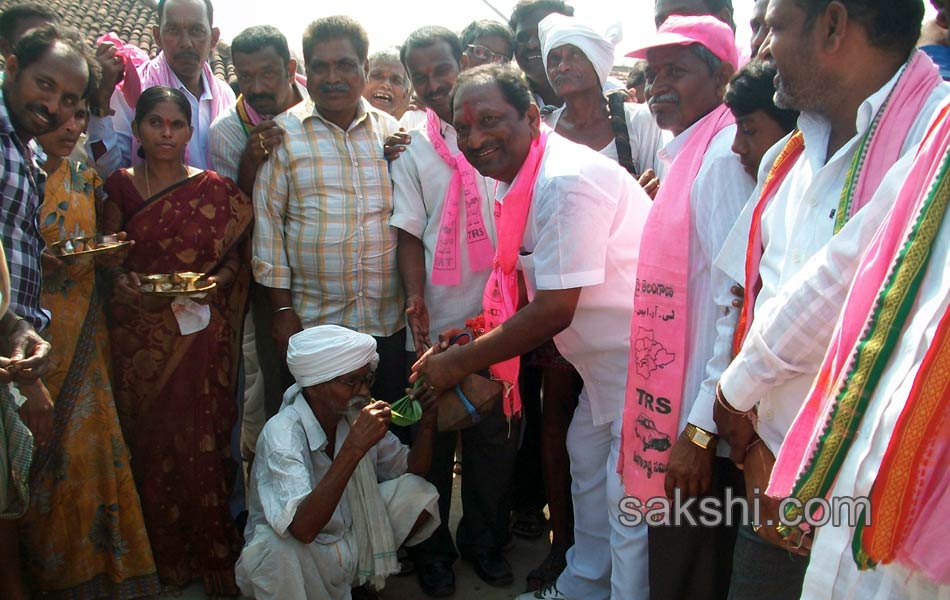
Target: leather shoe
(490, 566)
(436, 579)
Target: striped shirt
(22, 183)
(228, 138)
(322, 205)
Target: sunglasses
(483, 53)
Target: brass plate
(100, 243)
(182, 284)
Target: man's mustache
(187, 54)
(443, 90)
(330, 88)
(41, 110)
(671, 98)
(259, 98)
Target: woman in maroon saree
(175, 393)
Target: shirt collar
(316, 437)
(816, 129)
(205, 87)
(6, 125)
(669, 152)
(363, 109)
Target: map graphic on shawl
(650, 354)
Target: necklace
(148, 188)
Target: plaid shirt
(22, 181)
(322, 205)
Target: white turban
(321, 353)
(557, 30)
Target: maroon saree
(176, 394)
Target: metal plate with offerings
(84, 245)
(185, 283)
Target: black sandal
(528, 523)
(548, 571)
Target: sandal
(547, 573)
(528, 523)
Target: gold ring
(261, 141)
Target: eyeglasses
(356, 384)
(484, 53)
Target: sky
(388, 22)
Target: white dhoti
(255, 409)
(277, 567)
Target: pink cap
(679, 30)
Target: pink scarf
(500, 299)
(659, 349)
(852, 336)
(880, 149)
(142, 73)
(446, 266)
(254, 118)
(920, 78)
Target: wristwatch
(700, 437)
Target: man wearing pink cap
(670, 441)
(866, 100)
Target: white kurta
(646, 138)
(717, 196)
(291, 461)
(420, 180)
(583, 231)
(832, 573)
(796, 225)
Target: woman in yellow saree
(84, 533)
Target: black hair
(335, 27)
(34, 45)
(160, 9)
(510, 81)
(715, 8)
(259, 37)
(11, 17)
(427, 36)
(154, 96)
(524, 7)
(752, 88)
(478, 29)
(638, 74)
(892, 25)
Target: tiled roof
(132, 20)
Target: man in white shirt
(334, 493)
(186, 36)
(577, 253)
(428, 219)
(843, 78)
(241, 141)
(832, 571)
(689, 63)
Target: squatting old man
(319, 522)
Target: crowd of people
(648, 300)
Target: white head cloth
(321, 353)
(557, 30)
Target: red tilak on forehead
(468, 113)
